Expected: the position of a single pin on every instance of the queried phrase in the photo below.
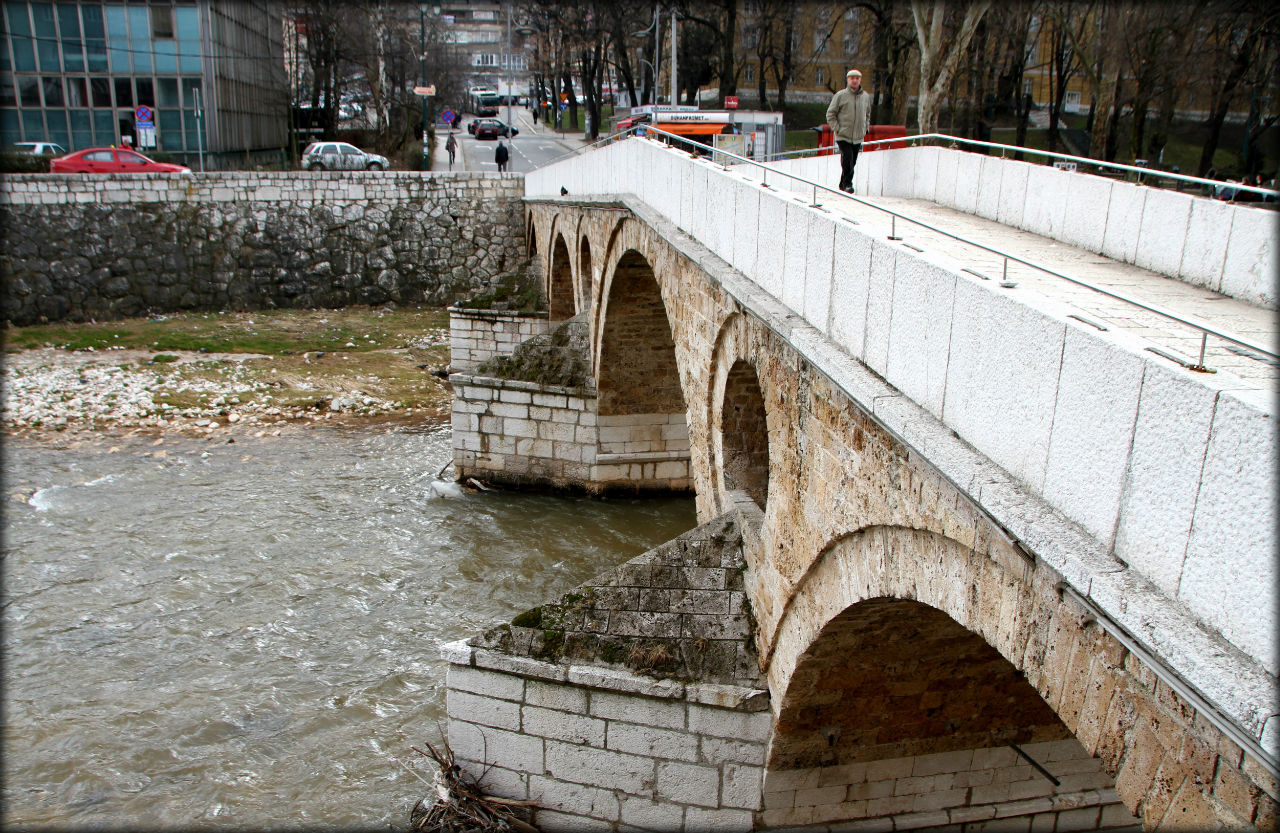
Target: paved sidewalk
(440, 157)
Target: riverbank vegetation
(206, 371)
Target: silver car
(340, 156)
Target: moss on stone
(528, 619)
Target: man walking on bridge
(849, 116)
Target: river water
(210, 635)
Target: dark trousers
(848, 158)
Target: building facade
(210, 74)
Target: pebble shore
(51, 391)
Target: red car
(493, 129)
(112, 161)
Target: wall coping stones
(471, 312)
(456, 379)
(720, 695)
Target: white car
(40, 148)
(340, 156)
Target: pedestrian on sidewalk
(501, 155)
(849, 115)
(452, 146)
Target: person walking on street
(849, 116)
(452, 147)
(501, 155)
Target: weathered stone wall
(632, 703)
(106, 247)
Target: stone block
(740, 786)
(688, 784)
(652, 742)
(795, 245)
(879, 311)
(551, 821)
(850, 285)
(486, 711)
(769, 272)
(1045, 208)
(563, 726)
(632, 774)
(1252, 257)
(1002, 377)
(487, 745)
(649, 814)
(717, 750)
(1169, 443)
(486, 683)
(639, 710)
(1093, 424)
(1013, 193)
(1165, 215)
(920, 329)
(819, 269)
(1124, 221)
(554, 696)
(969, 168)
(576, 799)
(746, 209)
(721, 820)
(729, 724)
(1204, 251)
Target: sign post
(144, 122)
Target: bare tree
(940, 52)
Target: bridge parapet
(1226, 247)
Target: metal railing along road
(701, 151)
(1140, 170)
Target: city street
(533, 147)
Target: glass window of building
(52, 87)
(46, 36)
(72, 40)
(104, 127)
(10, 131)
(100, 89)
(29, 91)
(161, 22)
(77, 92)
(166, 52)
(124, 92)
(167, 92)
(7, 96)
(146, 92)
(57, 127)
(117, 38)
(95, 39)
(24, 55)
(169, 129)
(81, 129)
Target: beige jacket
(849, 115)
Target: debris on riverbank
(457, 805)
(201, 373)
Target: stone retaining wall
(105, 247)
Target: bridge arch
(585, 275)
(738, 419)
(560, 303)
(887, 615)
(637, 372)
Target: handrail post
(893, 227)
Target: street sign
(145, 117)
(448, 117)
(430, 89)
(564, 105)
(731, 102)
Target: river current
(210, 635)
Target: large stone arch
(1103, 696)
(560, 301)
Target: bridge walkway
(1220, 312)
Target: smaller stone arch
(744, 434)
(560, 300)
(585, 274)
(531, 237)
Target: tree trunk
(939, 57)
(728, 59)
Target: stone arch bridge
(963, 552)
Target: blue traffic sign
(564, 105)
(448, 117)
(144, 116)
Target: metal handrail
(1100, 163)
(1204, 329)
